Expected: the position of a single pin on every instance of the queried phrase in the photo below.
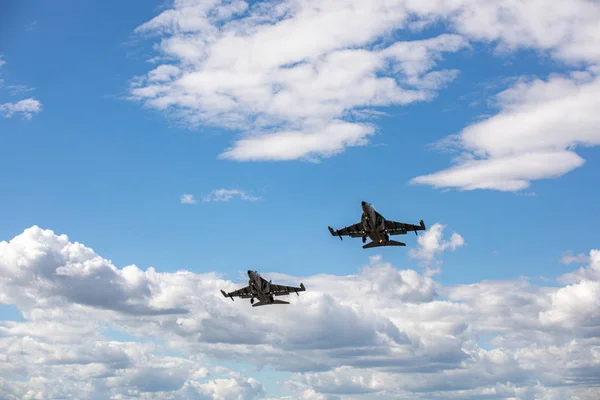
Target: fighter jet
(264, 291)
(378, 229)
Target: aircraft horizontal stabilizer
(389, 243)
(262, 303)
(334, 233)
(394, 243)
(225, 295)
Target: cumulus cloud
(187, 199)
(432, 244)
(290, 74)
(68, 272)
(577, 305)
(218, 195)
(382, 331)
(27, 107)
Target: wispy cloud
(27, 107)
(2, 62)
(30, 27)
(187, 199)
(569, 258)
(19, 89)
(218, 195)
(533, 137)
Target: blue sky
(98, 162)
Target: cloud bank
(105, 332)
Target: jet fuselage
(261, 289)
(373, 224)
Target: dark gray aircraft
(264, 291)
(378, 229)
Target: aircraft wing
(400, 228)
(282, 290)
(352, 231)
(243, 293)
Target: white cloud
(569, 258)
(533, 137)
(288, 75)
(567, 32)
(432, 244)
(322, 140)
(187, 199)
(30, 27)
(591, 272)
(27, 107)
(19, 89)
(218, 195)
(578, 304)
(379, 332)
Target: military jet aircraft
(378, 229)
(264, 291)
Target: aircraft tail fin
(334, 233)
(389, 243)
(225, 295)
(264, 303)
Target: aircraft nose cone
(362, 203)
(249, 272)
